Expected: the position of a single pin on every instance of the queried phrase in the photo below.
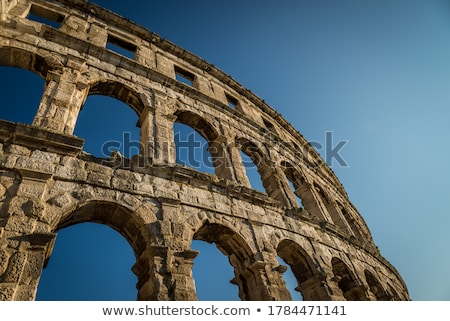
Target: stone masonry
(47, 182)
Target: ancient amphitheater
(47, 182)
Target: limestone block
(71, 168)
(99, 175)
(15, 267)
(34, 165)
(7, 292)
(76, 27)
(4, 259)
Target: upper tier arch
(28, 60)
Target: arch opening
(90, 262)
(119, 91)
(252, 172)
(15, 57)
(295, 181)
(212, 272)
(117, 121)
(375, 287)
(120, 218)
(300, 263)
(13, 97)
(192, 149)
(195, 143)
(258, 172)
(291, 281)
(132, 233)
(234, 247)
(345, 280)
(352, 224)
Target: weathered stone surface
(48, 183)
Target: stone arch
(132, 224)
(321, 192)
(216, 146)
(308, 278)
(197, 122)
(86, 259)
(12, 95)
(329, 207)
(296, 178)
(16, 57)
(131, 103)
(347, 281)
(311, 199)
(375, 287)
(271, 180)
(131, 97)
(241, 257)
(115, 215)
(31, 62)
(253, 151)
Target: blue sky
(375, 73)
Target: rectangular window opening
(184, 76)
(122, 47)
(232, 102)
(45, 16)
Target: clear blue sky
(376, 73)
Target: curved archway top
(296, 256)
(227, 240)
(197, 122)
(28, 60)
(120, 218)
(293, 173)
(341, 268)
(252, 150)
(136, 100)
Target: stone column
(151, 271)
(63, 97)
(26, 244)
(147, 132)
(259, 282)
(358, 292)
(336, 293)
(222, 159)
(164, 143)
(182, 284)
(165, 275)
(277, 284)
(240, 173)
(22, 261)
(164, 270)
